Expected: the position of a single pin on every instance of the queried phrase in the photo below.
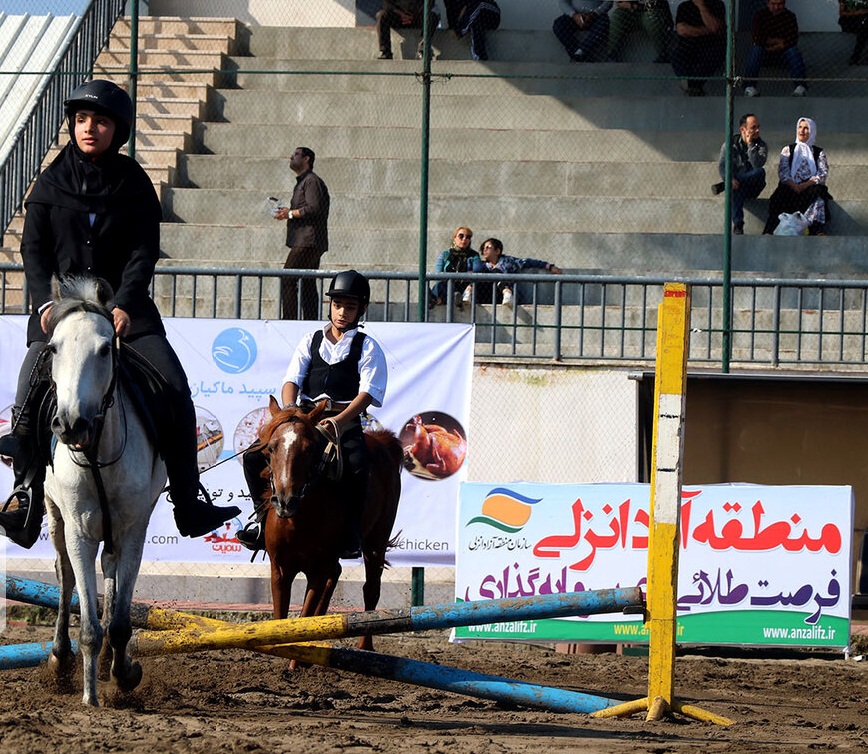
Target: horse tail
(390, 545)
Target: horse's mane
(80, 293)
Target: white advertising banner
(757, 565)
(235, 365)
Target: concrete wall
(814, 15)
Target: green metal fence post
(417, 584)
(134, 71)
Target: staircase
(181, 60)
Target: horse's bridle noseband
(330, 461)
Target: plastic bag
(795, 224)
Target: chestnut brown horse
(307, 514)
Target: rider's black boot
(195, 514)
(252, 536)
(23, 523)
(356, 486)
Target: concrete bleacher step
(545, 214)
(474, 141)
(517, 111)
(371, 176)
(262, 247)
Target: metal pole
(726, 343)
(417, 583)
(134, 70)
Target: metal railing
(567, 318)
(39, 131)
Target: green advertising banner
(759, 565)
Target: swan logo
(505, 509)
(234, 350)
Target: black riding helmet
(351, 284)
(106, 97)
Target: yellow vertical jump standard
(673, 328)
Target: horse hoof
(63, 671)
(132, 678)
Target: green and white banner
(759, 565)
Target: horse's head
(294, 451)
(82, 359)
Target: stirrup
(252, 536)
(23, 533)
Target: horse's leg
(126, 671)
(281, 589)
(374, 566)
(82, 553)
(109, 569)
(62, 659)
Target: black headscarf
(79, 182)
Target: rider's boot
(23, 523)
(252, 536)
(356, 486)
(195, 514)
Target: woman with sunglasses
(459, 257)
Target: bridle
(91, 460)
(329, 463)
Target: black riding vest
(340, 381)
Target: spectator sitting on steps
(749, 155)
(583, 29)
(853, 19)
(493, 260)
(403, 14)
(802, 171)
(459, 257)
(700, 45)
(473, 17)
(654, 16)
(775, 35)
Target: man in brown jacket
(307, 235)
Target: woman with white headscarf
(802, 172)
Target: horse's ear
(316, 411)
(104, 291)
(57, 288)
(273, 405)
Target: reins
(331, 461)
(91, 453)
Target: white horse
(101, 443)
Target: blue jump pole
(26, 655)
(451, 679)
(35, 593)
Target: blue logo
(234, 350)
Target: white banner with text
(235, 365)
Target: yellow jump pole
(673, 330)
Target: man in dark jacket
(749, 154)
(403, 14)
(307, 234)
(700, 44)
(775, 34)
